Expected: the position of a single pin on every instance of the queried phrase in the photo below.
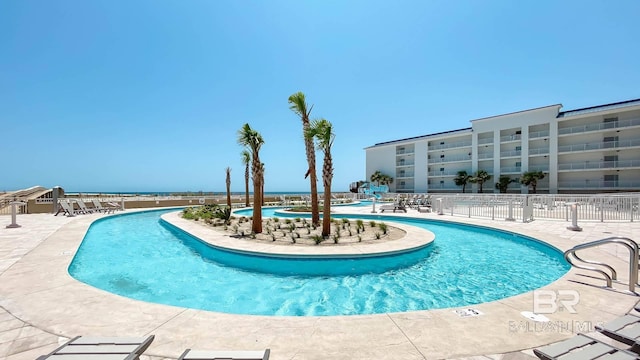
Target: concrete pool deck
(40, 305)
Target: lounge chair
(396, 206)
(115, 206)
(98, 206)
(226, 355)
(583, 347)
(83, 207)
(100, 348)
(625, 329)
(66, 208)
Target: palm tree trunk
(256, 225)
(327, 175)
(246, 186)
(313, 178)
(229, 187)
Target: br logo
(550, 301)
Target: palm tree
(228, 170)
(461, 179)
(298, 104)
(253, 141)
(376, 177)
(503, 183)
(386, 180)
(246, 160)
(480, 177)
(530, 178)
(322, 131)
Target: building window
(610, 122)
(441, 142)
(441, 156)
(441, 169)
(518, 148)
(518, 164)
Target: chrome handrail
(634, 252)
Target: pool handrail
(631, 245)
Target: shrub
(317, 239)
(377, 236)
(372, 223)
(383, 227)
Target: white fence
(609, 207)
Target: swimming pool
(136, 256)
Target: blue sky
(149, 95)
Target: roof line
(517, 112)
(599, 106)
(421, 136)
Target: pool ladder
(576, 261)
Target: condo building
(588, 150)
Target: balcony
(404, 175)
(485, 141)
(511, 170)
(450, 185)
(404, 163)
(596, 165)
(599, 145)
(539, 151)
(443, 173)
(599, 184)
(538, 134)
(599, 126)
(404, 152)
(451, 159)
(514, 137)
(487, 155)
(510, 153)
(544, 168)
(452, 145)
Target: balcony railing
(599, 145)
(538, 151)
(485, 141)
(598, 184)
(443, 173)
(594, 165)
(538, 167)
(404, 152)
(513, 137)
(458, 144)
(451, 159)
(599, 126)
(538, 134)
(405, 163)
(488, 155)
(512, 169)
(405, 175)
(510, 153)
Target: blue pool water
(138, 256)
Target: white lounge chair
(66, 208)
(625, 329)
(582, 347)
(83, 207)
(100, 348)
(98, 206)
(224, 355)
